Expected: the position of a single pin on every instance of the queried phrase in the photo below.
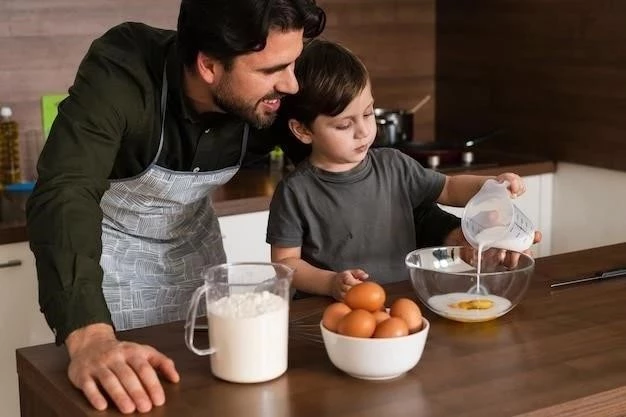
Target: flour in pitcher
(249, 333)
(250, 304)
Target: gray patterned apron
(159, 230)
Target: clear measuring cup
(491, 219)
(247, 310)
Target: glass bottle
(9, 148)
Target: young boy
(346, 213)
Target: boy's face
(253, 86)
(341, 142)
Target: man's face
(255, 83)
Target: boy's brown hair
(330, 76)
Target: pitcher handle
(191, 322)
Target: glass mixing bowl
(445, 280)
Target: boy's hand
(507, 258)
(343, 281)
(516, 186)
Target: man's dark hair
(224, 29)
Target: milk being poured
(484, 239)
(483, 306)
(476, 305)
(490, 220)
(498, 236)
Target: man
(121, 221)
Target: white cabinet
(590, 203)
(21, 322)
(536, 203)
(244, 237)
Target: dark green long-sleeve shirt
(108, 128)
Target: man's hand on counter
(126, 371)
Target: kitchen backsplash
(552, 73)
(43, 42)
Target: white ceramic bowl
(375, 359)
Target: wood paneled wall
(43, 41)
(551, 72)
(396, 41)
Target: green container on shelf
(49, 109)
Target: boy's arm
(306, 277)
(459, 189)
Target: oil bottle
(9, 148)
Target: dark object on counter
(395, 126)
(392, 127)
(11, 263)
(613, 273)
(20, 187)
(446, 153)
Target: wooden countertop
(251, 190)
(560, 352)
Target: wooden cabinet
(244, 237)
(21, 322)
(536, 203)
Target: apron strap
(244, 143)
(164, 87)
(163, 108)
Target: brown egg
(332, 314)
(357, 323)
(380, 316)
(408, 311)
(366, 296)
(392, 327)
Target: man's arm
(64, 226)
(434, 226)
(64, 218)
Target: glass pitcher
(247, 310)
(491, 219)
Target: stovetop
(453, 160)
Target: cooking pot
(395, 126)
(392, 127)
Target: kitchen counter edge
(228, 204)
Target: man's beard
(228, 102)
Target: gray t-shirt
(362, 218)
